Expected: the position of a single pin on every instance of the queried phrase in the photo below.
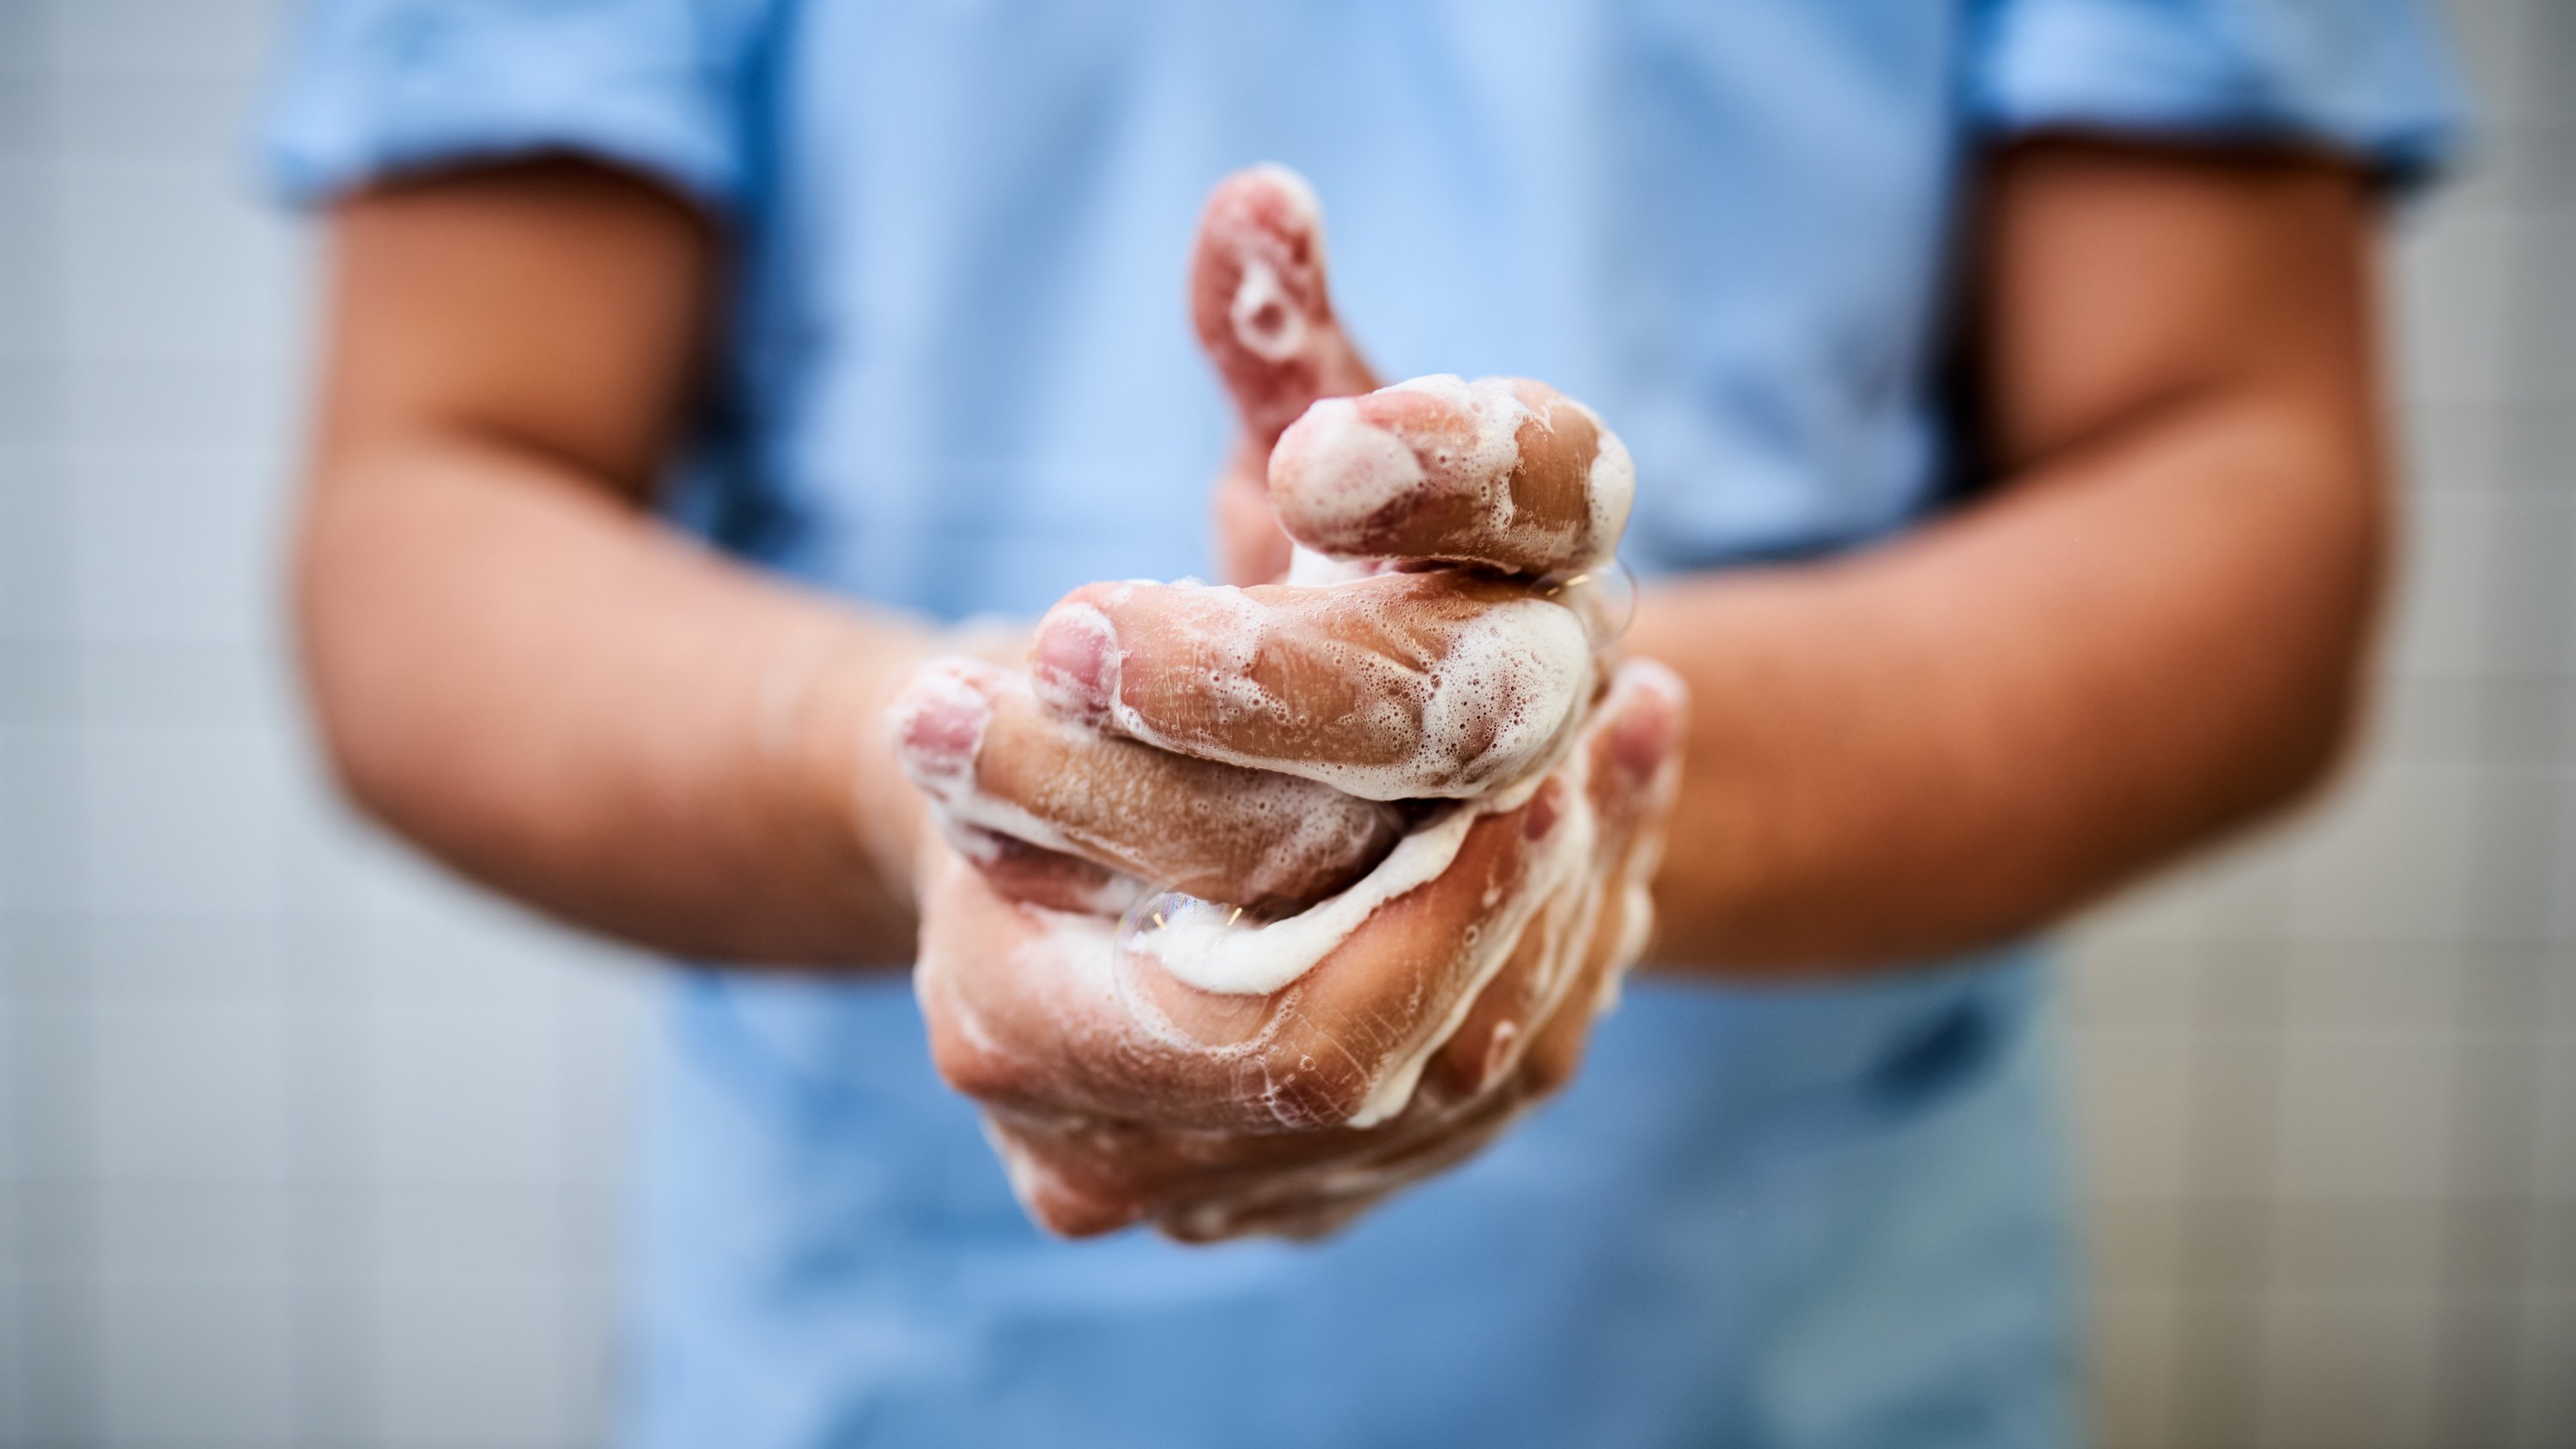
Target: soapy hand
(1409, 816)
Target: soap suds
(1489, 707)
(1267, 321)
(1442, 468)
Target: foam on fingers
(1390, 687)
(1502, 472)
(996, 766)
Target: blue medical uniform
(959, 380)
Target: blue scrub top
(959, 380)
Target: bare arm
(2156, 630)
(516, 666)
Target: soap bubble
(1179, 1014)
(1604, 597)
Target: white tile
(2449, 305)
(180, 820)
(477, 953)
(30, 319)
(191, 1229)
(463, 1095)
(2165, 909)
(508, 1234)
(2528, 603)
(202, 118)
(2562, 922)
(2245, 897)
(2486, 38)
(195, 1092)
(2390, 862)
(13, 1101)
(2133, 1382)
(178, 549)
(2450, 444)
(35, 546)
(463, 1362)
(32, 398)
(48, 1059)
(26, 37)
(2135, 1096)
(2352, 1244)
(200, 1359)
(165, 261)
(2350, 1371)
(59, 1401)
(182, 685)
(2554, 1161)
(2365, 1114)
(2544, 1409)
(186, 406)
(40, 819)
(184, 37)
(14, 1330)
(2441, 601)
(175, 960)
(2367, 983)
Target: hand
(1411, 974)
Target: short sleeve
(2373, 78)
(369, 88)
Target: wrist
(857, 820)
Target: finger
(1037, 876)
(1590, 933)
(1502, 472)
(1321, 1195)
(1394, 687)
(970, 735)
(1259, 303)
(1328, 1018)
(1250, 547)
(1632, 753)
(1634, 741)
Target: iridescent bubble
(1181, 1015)
(1604, 597)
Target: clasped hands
(1380, 836)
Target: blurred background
(301, 1144)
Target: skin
(2152, 629)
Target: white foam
(1346, 469)
(1217, 950)
(1611, 493)
(1493, 450)
(1308, 569)
(1268, 324)
(1490, 709)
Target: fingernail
(1539, 816)
(1073, 665)
(938, 723)
(1650, 730)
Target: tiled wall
(301, 1145)
(2332, 1077)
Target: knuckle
(1316, 1088)
(971, 1063)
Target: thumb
(1259, 303)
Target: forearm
(2155, 636)
(551, 692)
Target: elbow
(2319, 721)
(2317, 750)
(334, 621)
